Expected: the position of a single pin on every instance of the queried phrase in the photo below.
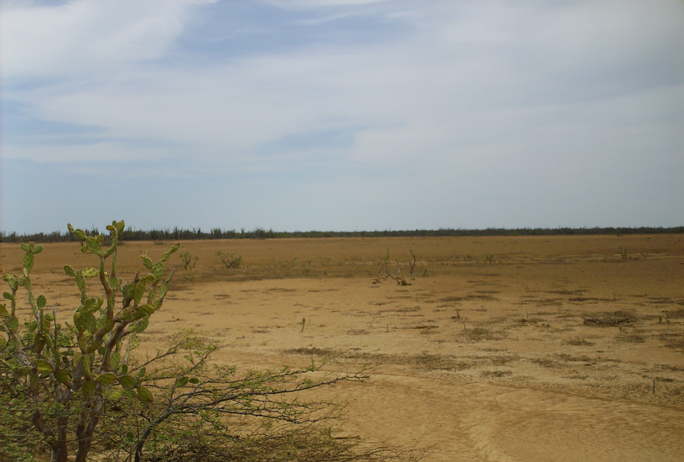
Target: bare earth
(556, 349)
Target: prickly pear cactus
(63, 373)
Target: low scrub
(72, 390)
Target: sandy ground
(552, 348)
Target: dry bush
(307, 444)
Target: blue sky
(341, 114)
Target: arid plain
(553, 348)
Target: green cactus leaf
(37, 249)
(28, 261)
(106, 379)
(86, 364)
(165, 256)
(114, 360)
(91, 323)
(145, 310)
(88, 388)
(3, 311)
(13, 323)
(145, 395)
(94, 246)
(139, 291)
(62, 377)
(90, 272)
(24, 247)
(126, 381)
(105, 323)
(127, 289)
(41, 301)
(39, 342)
(158, 271)
(79, 233)
(44, 367)
(139, 326)
(85, 321)
(8, 296)
(79, 321)
(163, 289)
(152, 294)
(148, 308)
(90, 305)
(116, 395)
(80, 282)
(124, 315)
(69, 270)
(45, 326)
(147, 261)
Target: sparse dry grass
(441, 346)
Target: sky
(342, 115)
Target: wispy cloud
(456, 96)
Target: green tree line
(176, 233)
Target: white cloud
(441, 88)
(86, 37)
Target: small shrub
(189, 261)
(61, 376)
(230, 260)
(623, 253)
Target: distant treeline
(259, 233)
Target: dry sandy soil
(555, 349)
